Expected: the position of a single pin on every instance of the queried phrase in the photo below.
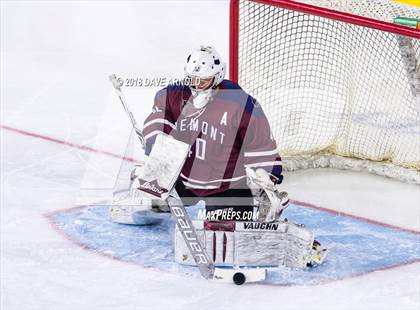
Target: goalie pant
(235, 204)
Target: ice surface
(55, 60)
(355, 246)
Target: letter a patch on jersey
(223, 121)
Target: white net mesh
(333, 88)
(384, 10)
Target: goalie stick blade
(239, 276)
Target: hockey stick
(185, 226)
(117, 87)
(184, 223)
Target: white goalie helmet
(205, 63)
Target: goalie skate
(132, 207)
(317, 255)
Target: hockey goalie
(208, 140)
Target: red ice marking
(358, 274)
(92, 250)
(355, 275)
(70, 144)
(90, 149)
(50, 217)
(308, 205)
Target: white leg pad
(250, 244)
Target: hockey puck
(239, 278)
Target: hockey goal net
(338, 80)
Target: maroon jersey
(230, 133)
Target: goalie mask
(204, 70)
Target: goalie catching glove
(268, 198)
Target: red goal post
(339, 81)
